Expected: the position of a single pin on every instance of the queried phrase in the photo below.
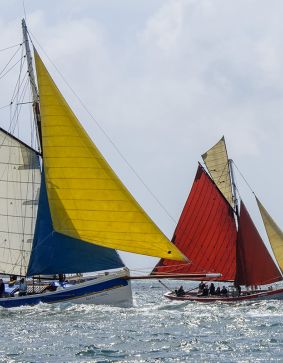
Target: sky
(165, 80)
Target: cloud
(166, 79)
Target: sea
(153, 330)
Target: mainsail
(206, 232)
(19, 190)
(87, 200)
(274, 233)
(217, 163)
(255, 266)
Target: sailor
(212, 289)
(22, 287)
(201, 287)
(217, 291)
(205, 291)
(2, 288)
(13, 280)
(62, 278)
(180, 291)
(238, 289)
(224, 291)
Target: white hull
(111, 289)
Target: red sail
(206, 232)
(255, 266)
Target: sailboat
(218, 234)
(64, 212)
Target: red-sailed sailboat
(218, 235)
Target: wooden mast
(234, 188)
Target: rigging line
(3, 75)
(14, 116)
(19, 81)
(243, 179)
(13, 46)
(105, 133)
(10, 60)
(1, 108)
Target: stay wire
(244, 179)
(13, 66)
(10, 60)
(102, 130)
(12, 46)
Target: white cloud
(166, 79)
(165, 27)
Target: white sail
(19, 189)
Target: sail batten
(80, 182)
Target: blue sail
(54, 253)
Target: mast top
(35, 96)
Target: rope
(1, 108)
(13, 46)
(244, 179)
(10, 60)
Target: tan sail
(86, 198)
(216, 161)
(274, 233)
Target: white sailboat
(63, 210)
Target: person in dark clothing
(212, 289)
(180, 291)
(2, 288)
(61, 278)
(238, 289)
(205, 291)
(201, 286)
(217, 291)
(224, 291)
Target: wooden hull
(276, 294)
(109, 289)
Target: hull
(111, 289)
(276, 294)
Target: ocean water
(154, 330)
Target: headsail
(87, 200)
(19, 189)
(274, 233)
(206, 232)
(217, 163)
(65, 254)
(255, 266)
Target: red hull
(276, 294)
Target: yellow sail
(216, 161)
(274, 233)
(87, 200)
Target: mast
(35, 97)
(234, 188)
